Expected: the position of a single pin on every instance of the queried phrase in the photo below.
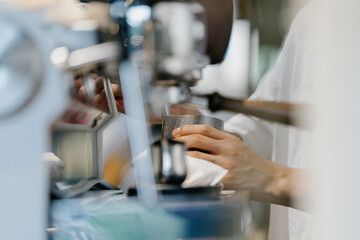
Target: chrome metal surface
(169, 161)
(171, 122)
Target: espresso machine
(155, 50)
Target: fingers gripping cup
(169, 156)
(170, 122)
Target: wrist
(278, 188)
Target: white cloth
(290, 80)
(55, 165)
(201, 173)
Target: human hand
(247, 170)
(100, 100)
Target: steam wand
(281, 112)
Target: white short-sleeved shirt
(290, 80)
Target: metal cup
(169, 156)
(170, 122)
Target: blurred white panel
(115, 136)
(24, 136)
(338, 138)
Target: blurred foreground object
(175, 217)
(32, 97)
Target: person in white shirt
(285, 180)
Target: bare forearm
(288, 187)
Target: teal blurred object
(178, 216)
(116, 217)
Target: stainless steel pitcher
(170, 122)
